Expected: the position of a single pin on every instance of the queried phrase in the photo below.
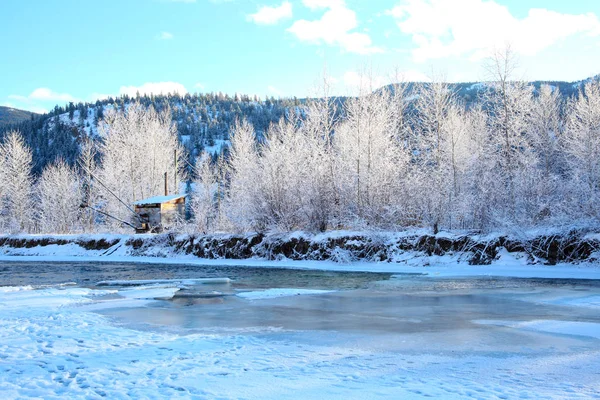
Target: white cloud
(200, 86)
(153, 88)
(353, 79)
(356, 80)
(32, 101)
(39, 98)
(334, 28)
(165, 36)
(411, 75)
(442, 28)
(271, 15)
(37, 110)
(274, 90)
(318, 4)
(45, 94)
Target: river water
(403, 334)
(374, 303)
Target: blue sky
(55, 51)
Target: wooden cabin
(159, 213)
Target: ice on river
(280, 292)
(589, 329)
(52, 346)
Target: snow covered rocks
(337, 246)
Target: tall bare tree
(17, 184)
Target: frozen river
(282, 333)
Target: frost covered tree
(436, 151)
(283, 177)
(460, 130)
(477, 184)
(90, 188)
(17, 184)
(545, 130)
(203, 201)
(139, 145)
(243, 175)
(60, 195)
(322, 186)
(368, 158)
(582, 146)
(509, 103)
(545, 135)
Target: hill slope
(203, 120)
(10, 115)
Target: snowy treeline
(202, 121)
(128, 164)
(514, 160)
(384, 161)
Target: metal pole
(175, 188)
(166, 184)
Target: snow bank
(571, 254)
(27, 296)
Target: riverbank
(567, 255)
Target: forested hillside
(9, 116)
(203, 121)
(421, 155)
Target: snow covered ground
(406, 342)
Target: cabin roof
(159, 199)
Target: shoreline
(507, 268)
(571, 254)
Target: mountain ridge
(203, 120)
(11, 115)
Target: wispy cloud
(165, 36)
(40, 98)
(274, 90)
(335, 27)
(44, 94)
(317, 4)
(271, 15)
(443, 28)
